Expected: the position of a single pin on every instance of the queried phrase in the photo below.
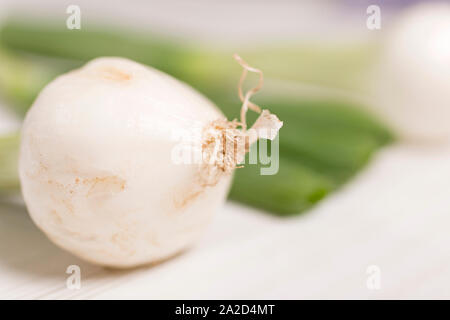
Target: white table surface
(394, 215)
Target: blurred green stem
(9, 150)
(199, 64)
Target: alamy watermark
(73, 282)
(373, 21)
(373, 281)
(74, 19)
(223, 146)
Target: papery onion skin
(96, 165)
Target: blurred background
(360, 205)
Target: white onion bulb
(97, 169)
(413, 77)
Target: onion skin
(96, 170)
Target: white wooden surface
(394, 215)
